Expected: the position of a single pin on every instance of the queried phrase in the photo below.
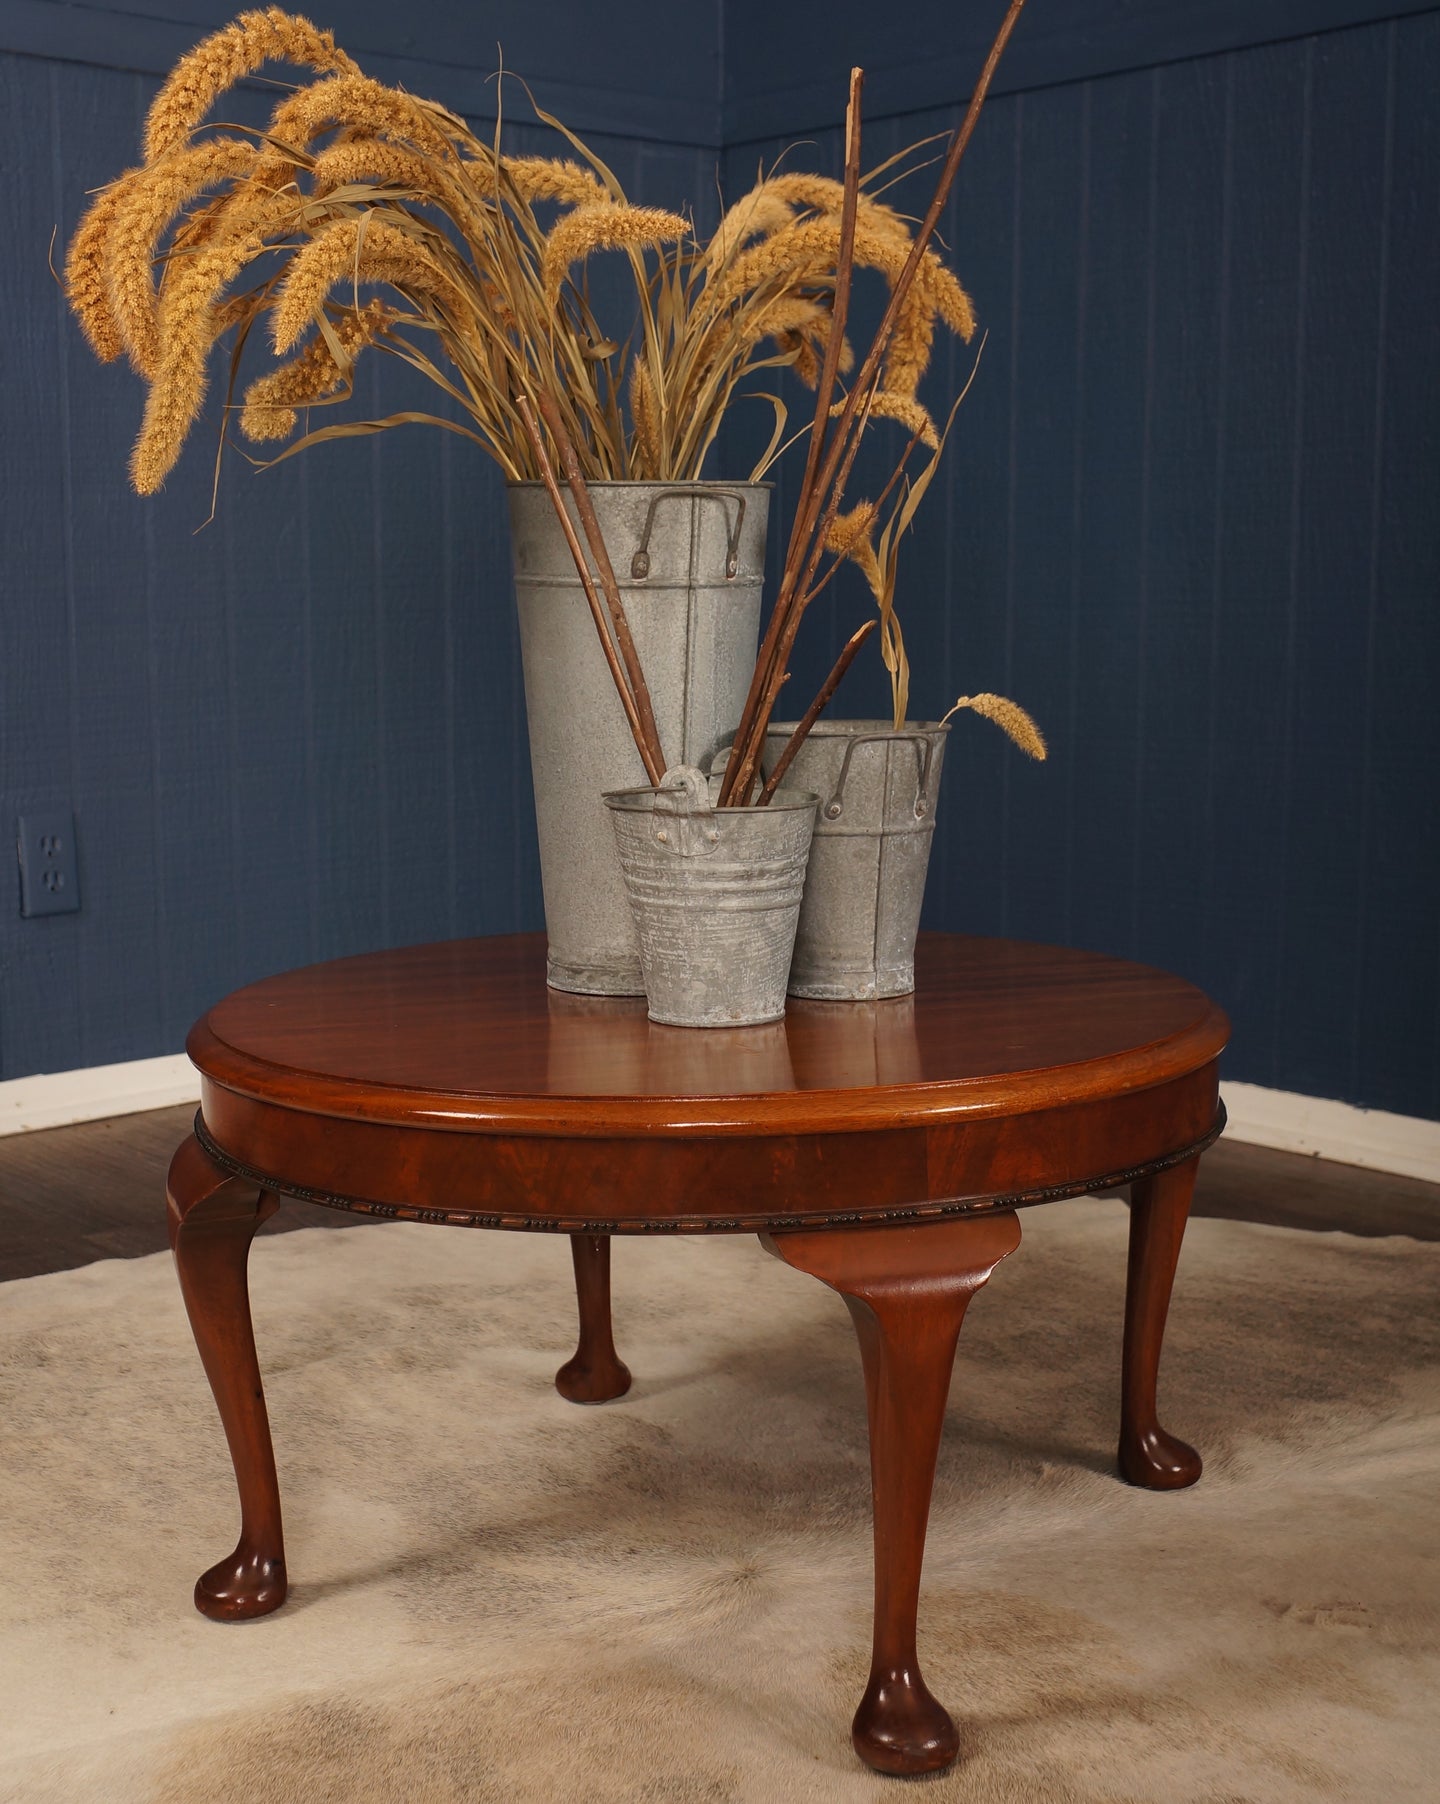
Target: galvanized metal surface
(866, 878)
(716, 897)
(690, 560)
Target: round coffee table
(881, 1147)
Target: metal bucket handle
(684, 794)
(640, 563)
(835, 807)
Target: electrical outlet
(49, 875)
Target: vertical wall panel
(116, 946)
(1048, 260)
(40, 1005)
(1337, 339)
(1241, 927)
(970, 588)
(1172, 707)
(1393, 943)
(1111, 548)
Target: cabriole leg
(596, 1374)
(907, 1290)
(213, 1218)
(1159, 1208)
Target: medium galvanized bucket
(690, 561)
(866, 880)
(716, 897)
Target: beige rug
(498, 1596)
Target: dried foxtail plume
(364, 250)
(808, 249)
(907, 411)
(787, 315)
(770, 206)
(271, 401)
(821, 194)
(554, 178)
(356, 101)
(373, 160)
(645, 412)
(755, 215)
(852, 535)
(86, 286)
(1009, 716)
(604, 228)
(198, 80)
(144, 213)
(189, 322)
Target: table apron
(724, 1184)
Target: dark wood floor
(96, 1191)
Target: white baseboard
(58, 1098)
(1260, 1117)
(1402, 1144)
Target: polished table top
(465, 1034)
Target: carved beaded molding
(738, 1224)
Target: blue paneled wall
(1188, 518)
(294, 734)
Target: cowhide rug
(501, 1597)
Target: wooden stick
(870, 368)
(816, 709)
(587, 583)
(585, 507)
(760, 680)
(829, 481)
(844, 278)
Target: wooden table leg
(213, 1218)
(907, 1289)
(596, 1374)
(1159, 1207)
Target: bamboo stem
(587, 583)
(816, 709)
(585, 507)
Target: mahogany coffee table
(881, 1147)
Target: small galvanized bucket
(877, 787)
(715, 893)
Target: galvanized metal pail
(716, 897)
(690, 561)
(866, 880)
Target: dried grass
(141, 220)
(271, 401)
(1010, 717)
(87, 285)
(200, 78)
(551, 178)
(361, 192)
(606, 227)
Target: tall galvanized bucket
(690, 561)
(866, 881)
(716, 897)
